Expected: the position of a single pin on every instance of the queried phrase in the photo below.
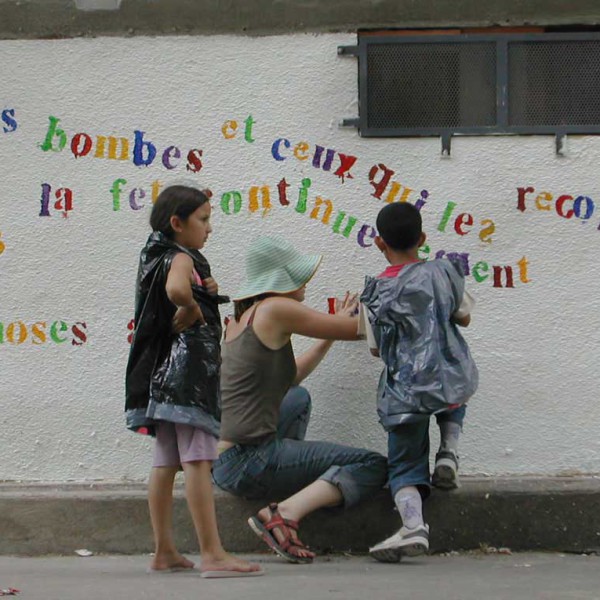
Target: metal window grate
(431, 85)
(478, 84)
(554, 83)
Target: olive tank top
(254, 380)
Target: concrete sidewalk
(552, 514)
(463, 577)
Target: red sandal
(290, 545)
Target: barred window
(411, 85)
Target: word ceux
(135, 195)
(464, 222)
(322, 158)
(259, 197)
(59, 332)
(481, 269)
(64, 202)
(113, 148)
(565, 205)
(8, 120)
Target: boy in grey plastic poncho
(411, 312)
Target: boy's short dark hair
(399, 225)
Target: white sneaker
(445, 472)
(405, 542)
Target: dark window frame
(502, 126)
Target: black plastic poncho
(428, 365)
(172, 377)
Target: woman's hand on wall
(347, 306)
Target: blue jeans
(286, 464)
(408, 452)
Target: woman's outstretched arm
(289, 316)
(307, 362)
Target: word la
(63, 204)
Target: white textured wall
(537, 344)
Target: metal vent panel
(554, 83)
(431, 85)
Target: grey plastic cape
(428, 365)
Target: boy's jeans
(408, 452)
(283, 466)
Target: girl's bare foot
(227, 562)
(171, 561)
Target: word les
(464, 222)
(40, 332)
(63, 204)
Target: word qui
(113, 148)
(389, 190)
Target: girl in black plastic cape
(172, 381)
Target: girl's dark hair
(241, 306)
(176, 200)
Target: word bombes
(118, 148)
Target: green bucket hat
(273, 265)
